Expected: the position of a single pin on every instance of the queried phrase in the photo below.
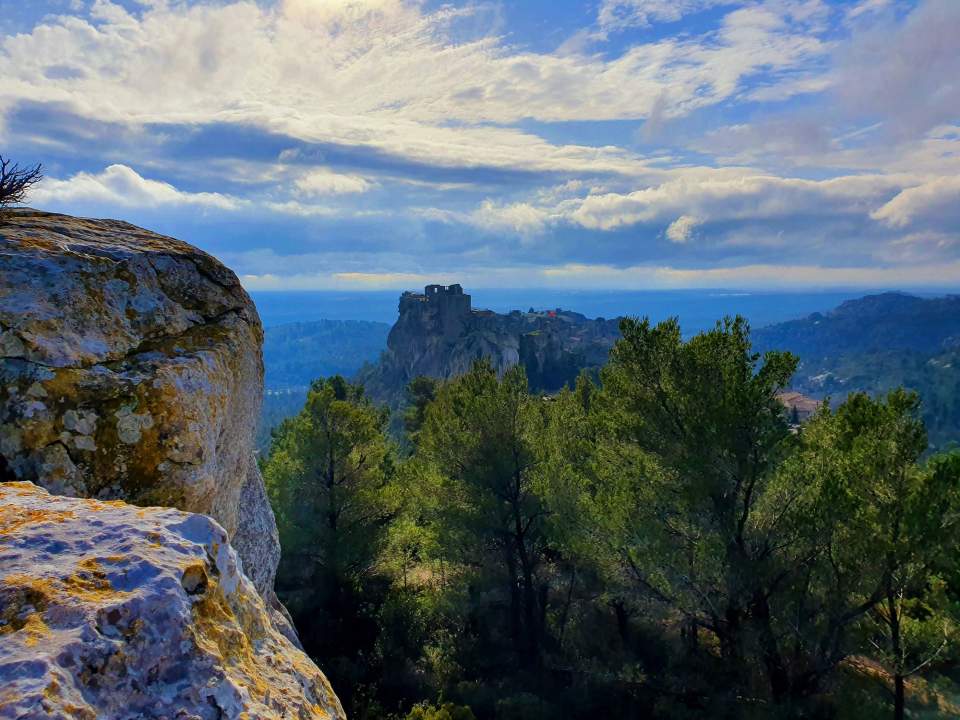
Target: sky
(372, 144)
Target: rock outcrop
(114, 612)
(438, 334)
(131, 369)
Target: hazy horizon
(697, 309)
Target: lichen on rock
(112, 611)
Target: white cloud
(325, 182)
(121, 185)
(616, 14)
(937, 199)
(903, 73)
(382, 73)
(681, 229)
(867, 7)
(519, 218)
(712, 195)
(769, 276)
(642, 277)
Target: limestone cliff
(439, 334)
(131, 369)
(113, 612)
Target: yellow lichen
(13, 518)
(23, 602)
(90, 583)
(218, 632)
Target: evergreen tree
(330, 480)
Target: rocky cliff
(131, 370)
(112, 611)
(439, 334)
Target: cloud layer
(693, 141)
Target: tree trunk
(898, 697)
(532, 649)
(896, 647)
(777, 674)
(515, 631)
(623, 622)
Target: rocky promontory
(131, 373)
(131, 370)
(439, 334)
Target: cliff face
(439, 335)
(131, 369)
(112, 611)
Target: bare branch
(16, 181)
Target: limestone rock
(130, 368)
(116, 612)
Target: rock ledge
(119, 612)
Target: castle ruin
(444, 298)
(441, 309)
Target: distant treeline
(655, 542)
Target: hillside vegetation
(876, 344)
(659, 543)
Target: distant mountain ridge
(871, 344)
(296, 354)
(439, 334)
(874, 323)
(878, 343)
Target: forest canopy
(659, 541)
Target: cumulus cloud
(938, 198)
(723, 195)
(325, 182)
(520, 218)
(385, 74)
(123, 186)
(423, 137)
(681, 229)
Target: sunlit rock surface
(113, 611)
(131, 368)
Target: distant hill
(873, 344)
(296, 354)
(439, 334)
(878, 343)
(889, 321)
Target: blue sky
(366, 144)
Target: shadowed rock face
(112, 611)
(131, 369)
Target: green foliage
(877, 344)
(447, 711)
(330, 480)
(328, 475)
(420, 393)
(481, 436)
(660, 541)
